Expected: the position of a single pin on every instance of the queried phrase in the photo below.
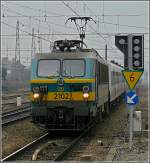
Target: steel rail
(18, 108)
(14, 120)
(24, 148)
(11, 103)
(11, 115)
(15, 95)
(73, 143)
(15, 112)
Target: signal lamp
(136, 41)
(138, 52)
(136, 63)
(136, 48)
(136, 55)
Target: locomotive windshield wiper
(68, 75)
(54, 75)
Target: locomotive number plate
(62, 96)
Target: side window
(104, 73)
(94, 69)
(113, 77)
(117, 77)
(99, 72)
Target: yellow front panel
(75, 96)
(83, 80)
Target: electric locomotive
(72, 86)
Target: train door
(97, 82)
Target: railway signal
(121, 42)
(138, 52)
(133, 48)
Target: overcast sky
(49, 18)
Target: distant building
(15, 75)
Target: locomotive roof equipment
(67, 45)
(82, 27)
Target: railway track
(13, 103)
(58, 150)
(71, 150)
(27, 147)
(69, 147)
(9, 101)
(8, 97)
(58, 153)
(12, 116)
(108, 149)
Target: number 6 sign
(132, 77)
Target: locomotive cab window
(48, 68)
(73, 68)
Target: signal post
(133, 48)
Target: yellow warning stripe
(83, 80)
(76, 96)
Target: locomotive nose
(52, 117)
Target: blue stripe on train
(68, 87)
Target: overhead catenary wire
(58, 15)
(110, 23)
(88, 34)
(31, 50)
(125, 25)
(116, 57)
(55, 16)
(36, 19)
(109, 34)
(10, 10)
(67, 5)
(88, 24)
(105, 22)
(116, 24)
(28, 33)
(142, 14)
(35, 9)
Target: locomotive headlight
(85, 92)
(85, 95)
(36, 95)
